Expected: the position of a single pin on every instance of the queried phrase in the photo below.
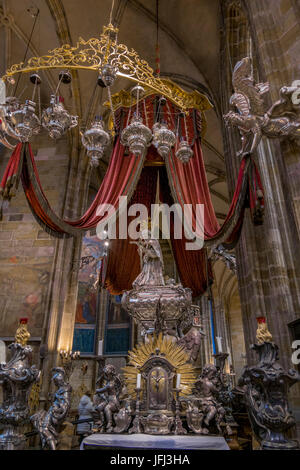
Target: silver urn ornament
(56, 119)
(137, 137)
(163, 139)
(95, 140)
(184, 152)
(25, 122)
(17, 377)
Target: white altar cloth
(148, 441)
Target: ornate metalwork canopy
(96, 53)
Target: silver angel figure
(228, 258)
(208, 392)
(48, 422)
(106, 400)
(249, 112)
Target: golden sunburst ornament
(159, 346)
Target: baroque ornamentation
(154, 303)
(100, 53)
(228, 258)
(266, 386)
(95, 140)
(184, 152)
(171, 352)
(24, 121)
(191, 340)
(193, 100)
(163, 139)
(204, 408)
(56, 119)
(250, 115)
(48, 423)
(136, 136)
(17, 378)
(106, 400)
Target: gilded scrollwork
(94, 53)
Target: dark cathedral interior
(150, 226)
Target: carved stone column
(268, 274)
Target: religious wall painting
(23, 293)
(88, 278)
(88, 293)
(86, 304)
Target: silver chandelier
(184, 152)
(24, 121)
(163, 138)
(56, 119)
(136, 136)
(95, 140)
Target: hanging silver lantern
(56, 119)
(138, 92)
(108, 74)
(25, 121)
(163, 139)
(95, 140)
(184, 152)
(136, 136)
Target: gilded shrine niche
(158, 363)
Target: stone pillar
(268, 269)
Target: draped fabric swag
(127, 176)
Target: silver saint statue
(152, 265)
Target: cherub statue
(48, 422)
(106, 400)
(250, 115)
(191, 340)
(207, 390)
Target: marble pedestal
(147, 441)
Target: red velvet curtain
(120, 180)
(123, 264)
(189, 186)
(11, 172)
(186, 182)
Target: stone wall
(26, 250)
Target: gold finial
(145, 224)
(22, 334)
(110, 31)
(262, 333)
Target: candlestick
(219, 341)
(138, 381)
(178, 379)
(178, 428)
(100, 347)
